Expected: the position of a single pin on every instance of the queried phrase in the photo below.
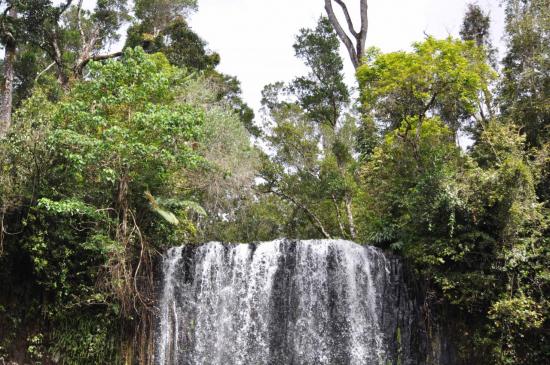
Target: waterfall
(283, 302)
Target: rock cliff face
(290, 302)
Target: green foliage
(157, 13)
(85, 339)
(322, 93)
(182, 47)
(426, 169)
(472, 224)
(524, 88)
(75, 174)
(100, 173)
(439, 77)
(312, 165)
(476, 27)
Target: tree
(312, 166)
(439, 77)
(470, 222)
(71, 36)
(182, 46)
(231, 165)
(8, 38)
(355, 50)
(162, 27)
(525, 87)
(105, 180)
(322, 93)
(156, 15)
(476, 27)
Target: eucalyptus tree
(476, 26)
(160, 26)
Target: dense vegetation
(107, 159)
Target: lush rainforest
(109, 158)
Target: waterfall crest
(283, 302)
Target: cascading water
(284, 302)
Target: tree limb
(362, 38)
(63, 8)
(7, 9)
(44, 71)
(355, 50)
(79, 67)
(79, 22)
(107, 56)
(348, 18)
(349, 211)
(341, 33)
(6, 99)
(338, 216)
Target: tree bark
(79, 67)
(351, 222)
(9, 73)
(338, 216)
(355, 50)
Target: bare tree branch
(348, 17)
(338, 216)
(44, 71)
(107, 56)
(57, 56)
(362, 38)
(7, 10)
(349, 211)
(85, 52)
(355, 50)
(86, 58)
(341, 33)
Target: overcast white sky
(254, 37)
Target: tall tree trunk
(7, 87)
(351, 221)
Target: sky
(254, 37)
